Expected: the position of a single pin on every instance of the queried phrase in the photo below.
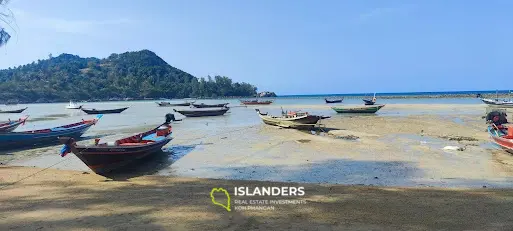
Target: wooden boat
(256, 102)
(202, 105)
(13, 111)
(45, 136)
(10, 125)
(359, 109)
(497, 102)
(103, 158)
(168, 104)
(199, 112)
(370, 101)
(72, 105)
(333, 100)
(107, 111)
(502, 136)
(293, 119)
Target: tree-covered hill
(137, 75)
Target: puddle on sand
(458, 121)
(405, 141)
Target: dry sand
(70, 200)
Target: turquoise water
(147, 113)
(310, 100)
(408, 93)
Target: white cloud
(62, 25)
(380, 12)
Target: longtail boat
(502, 136)
(256, 102)
(359, 109)
(202, 105)
(73, 105)
(45, 136)
(103, 158)
(200, 112)
(107, 111)
(333, 100)
(10, 125)
(168, 104)
(370, 101)
(498, 103)
(293, 119)
(14, 111)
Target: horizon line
(407, 93)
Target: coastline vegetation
(130, 75)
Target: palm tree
(4, 19)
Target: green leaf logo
(227, 205)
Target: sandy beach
(71, 200)
(372, 172)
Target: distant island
(130, 75)
(267, 94)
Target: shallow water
(232, 146)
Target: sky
(289, 47)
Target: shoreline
(403, 145)
(443, 95)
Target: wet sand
(71, 200)
(394, 173)
(400, 146)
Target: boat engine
(497, 117)
(170, 117)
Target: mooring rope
(66, 159)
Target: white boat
(498, 102)
(72, 105)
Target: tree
(5, 18)
(128, 75)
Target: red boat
(502, 136)
(9, 126)
(103, 158)
(256, 102)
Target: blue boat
(26, 139)
(10, 125)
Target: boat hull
(34, 138)
(256, 102)
(304, 123)
(333, 101)
(499, 138)
(166, 104)
(15, 111)
(104, 160)
(368, 102)
(96, 112)
(209, 105)
(364, 110)
(9, 126)
(491, 102)
(201, 113)
(300, 122)
(74, 107)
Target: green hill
(137, 75)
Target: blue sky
(290, 47)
